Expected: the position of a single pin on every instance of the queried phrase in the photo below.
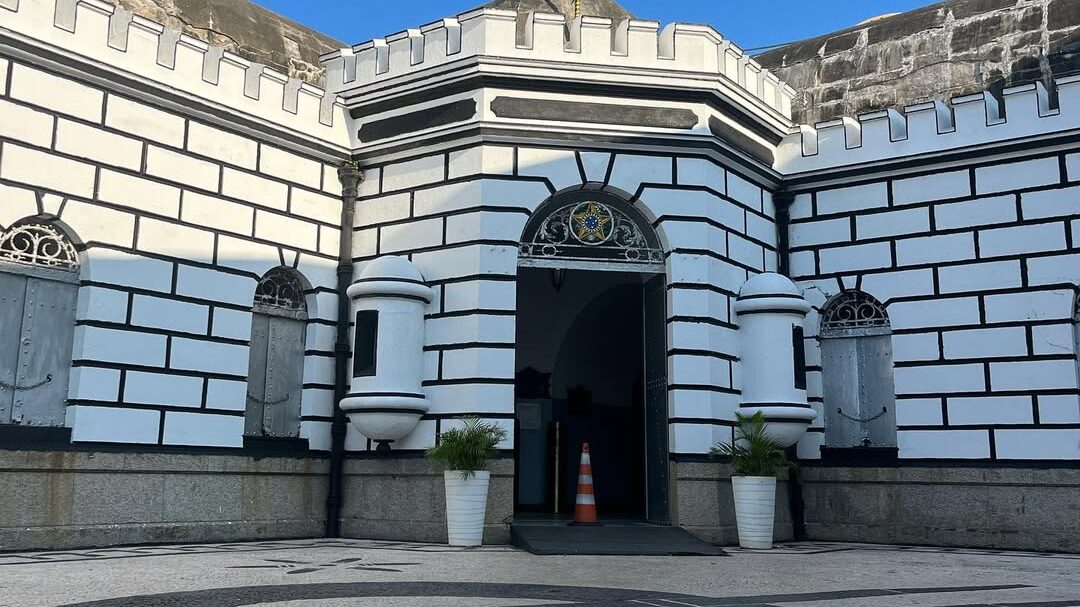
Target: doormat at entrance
(610, 540)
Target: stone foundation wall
(403, 498)
(1007, 508)
(702, 503)
(58, 500)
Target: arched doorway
(591, 358)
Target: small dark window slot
(367, 339)
(799, 350)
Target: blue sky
(749, 23)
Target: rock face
(246, 29)
(952, 48)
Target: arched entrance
(591, 358)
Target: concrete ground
(339, 573)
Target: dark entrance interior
(581, 377)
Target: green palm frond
(469, 447)
(753, 452)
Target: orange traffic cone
(585, 506)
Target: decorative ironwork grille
(852, 310)
(591, 231)
(38, 244)
(281, 288)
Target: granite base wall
(703, 504)
(59, 500)
(403, 498)
(1003, 508)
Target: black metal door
(657, 509)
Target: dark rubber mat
(612, 540)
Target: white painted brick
(631, 171)
(254, 189)
(935, 249)
(700, 269)
(247, 255)
(329, 240)
(161, 313)
(699, 336)
(699, 370)
(854, 198)
(94, 223)
(944, 444)
(985, 343)
(802, 263)
(212, 357)
(217, 213)
(1022, 239)
(234, 324)
(1017, 175)
(213, 285)
(695, 203)
(56, 93)
(743, 191)
(96, 303)
(761, 228)
(745, 252)
(1057, 269)
(409, 236)
(990, 410)
(98, 145)
(596, 165)
(413, 173)
(163, 389)
(182, 242)
(319, 436)
(140, 194)
(487, 192)
(331, 184)
(892, 223)
(904, 283)
(290, 167)
(1052, 339)
(979, 276)
(91, 383)
(1051, 203)
(1033, 375)
(702, 172)
(115, 346)
(1059, 409)
(118, 268)
(226, 394)
(382, 209)
(1072, 166)
(927, 188)
(918, 412)
(478, 362)
(483, 225)
(286, 230)
(179, 168)
(915, 346)
(1038, 444)
(934, 313)
(4, 63)
(144, 121)
(698, 302)
(46, 170)
(318, 402)
(26, 124)
(221, 145)
(809, 446)
(820, 232)
(1031, 305)
(978, 212)
(938, 379)
(471, 397)
(112, 425)
(486, 294)
(558, 166)
(802, 207)
(203, 429)
(856, 257)
(467, 260)
(318, 370)
(19, 203)
(466, 329)
(315, 206)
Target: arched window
(39, 274)
(857, 372)
(276, 359)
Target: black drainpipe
(783, 202)
(350, 177)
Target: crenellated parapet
(589, 42)
(101, 32)
(933, 127)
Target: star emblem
(591, 223)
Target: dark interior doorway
(581, 377)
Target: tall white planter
(755, 505)
(466, 507)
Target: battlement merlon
(980, 119)
(103, 33)
(598, 41)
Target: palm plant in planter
(758, 459)
(465, 452)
